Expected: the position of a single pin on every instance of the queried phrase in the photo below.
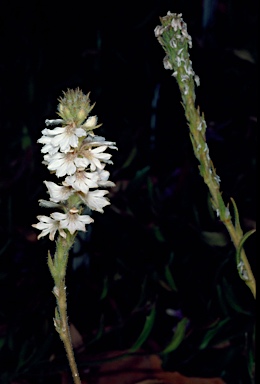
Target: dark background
(160, 218)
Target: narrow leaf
(214, 239)
(169, 278)
(105, 289)
(145, 332)
(130, 158)
(212, 333)
(242, 241)
(178, 336)
(237, 222)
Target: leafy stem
(173, 36)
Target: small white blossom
(176, 21)
(184, 77)
(217, 178)
(186, 89)
(93, 157)
(53, 122)
(49, 204)
(103, 181)
(82, 181)
(95, 141)
(197, 80)
(158, 31)
(173, 43)
(199, 127)
(72, 221)
(48, 147)
(62, 163)
(48, 225)
(242, 270)
(227, 213)
(188, 68)
(95, 200)
(58, 192)
(178, 61)
(166, 63)
(65, 137)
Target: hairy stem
(65, 333)
(173, 36)
(57, 267)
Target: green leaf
(211, 333)
(178, 336)
(148, 325)
(158, 234)
(169, 278)
(228, 293)
(242, 241)
(99, 333)
(51, 265)
(214, 239)
(105, 289)
(130, 158)
(237, 222)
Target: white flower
(62, 163)
(103, 176)
(95, 200)
(72, 220)
(48, 225)
(48, 147)
(98, 141)
(65, 137)
(158, 31)
(197, 80)
(166, 63)
(49, 204)
(82, 181)
(173, 43)
(176, 21)
(58, 192)
(95, 156)
(53, 122)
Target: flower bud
(81, 116)
(74, 106)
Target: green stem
(250, 282)
(65, 333)
(58, 268)
(210, 177)
(173, 36)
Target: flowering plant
(76, 155)
(172, 34)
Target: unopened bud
(91, 122)
(81, 115)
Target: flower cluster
(73, 152)
(174, 38)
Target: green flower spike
(173, 36)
